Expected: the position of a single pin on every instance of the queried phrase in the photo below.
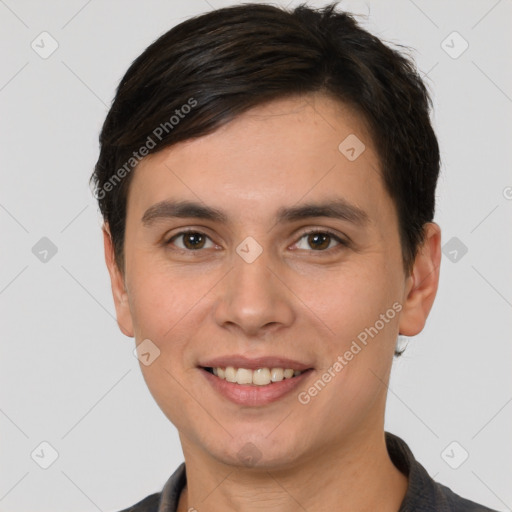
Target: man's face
(255, 285)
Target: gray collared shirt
(423, 493)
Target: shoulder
(167, 499)
(424, 494)
(148, 504)
(455, 503)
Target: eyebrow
(336, 208)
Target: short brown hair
(207, 70)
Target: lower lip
(254, 395)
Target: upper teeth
(258, 377)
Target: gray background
(68, 375)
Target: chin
(255, 450)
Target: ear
(422, 284)
(123, 313)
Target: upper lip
(239, 361)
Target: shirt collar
(422, 492)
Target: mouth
(253, 377)
(256, 386)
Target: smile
(254, 387)
(256, 377)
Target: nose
(253, 300)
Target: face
(289, 258)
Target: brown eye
(190, 240)
(193, 240)
(320, 241)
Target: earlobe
(422, 284)
(123, 313)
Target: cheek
(162, 298)
(360, 308)
(352, 298)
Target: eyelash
(341, 242)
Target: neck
(361, 478)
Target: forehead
(272, 156)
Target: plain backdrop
(68, 376)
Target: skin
(294, 301)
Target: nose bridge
(251, 297)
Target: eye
(320, 241)
(191, 241)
